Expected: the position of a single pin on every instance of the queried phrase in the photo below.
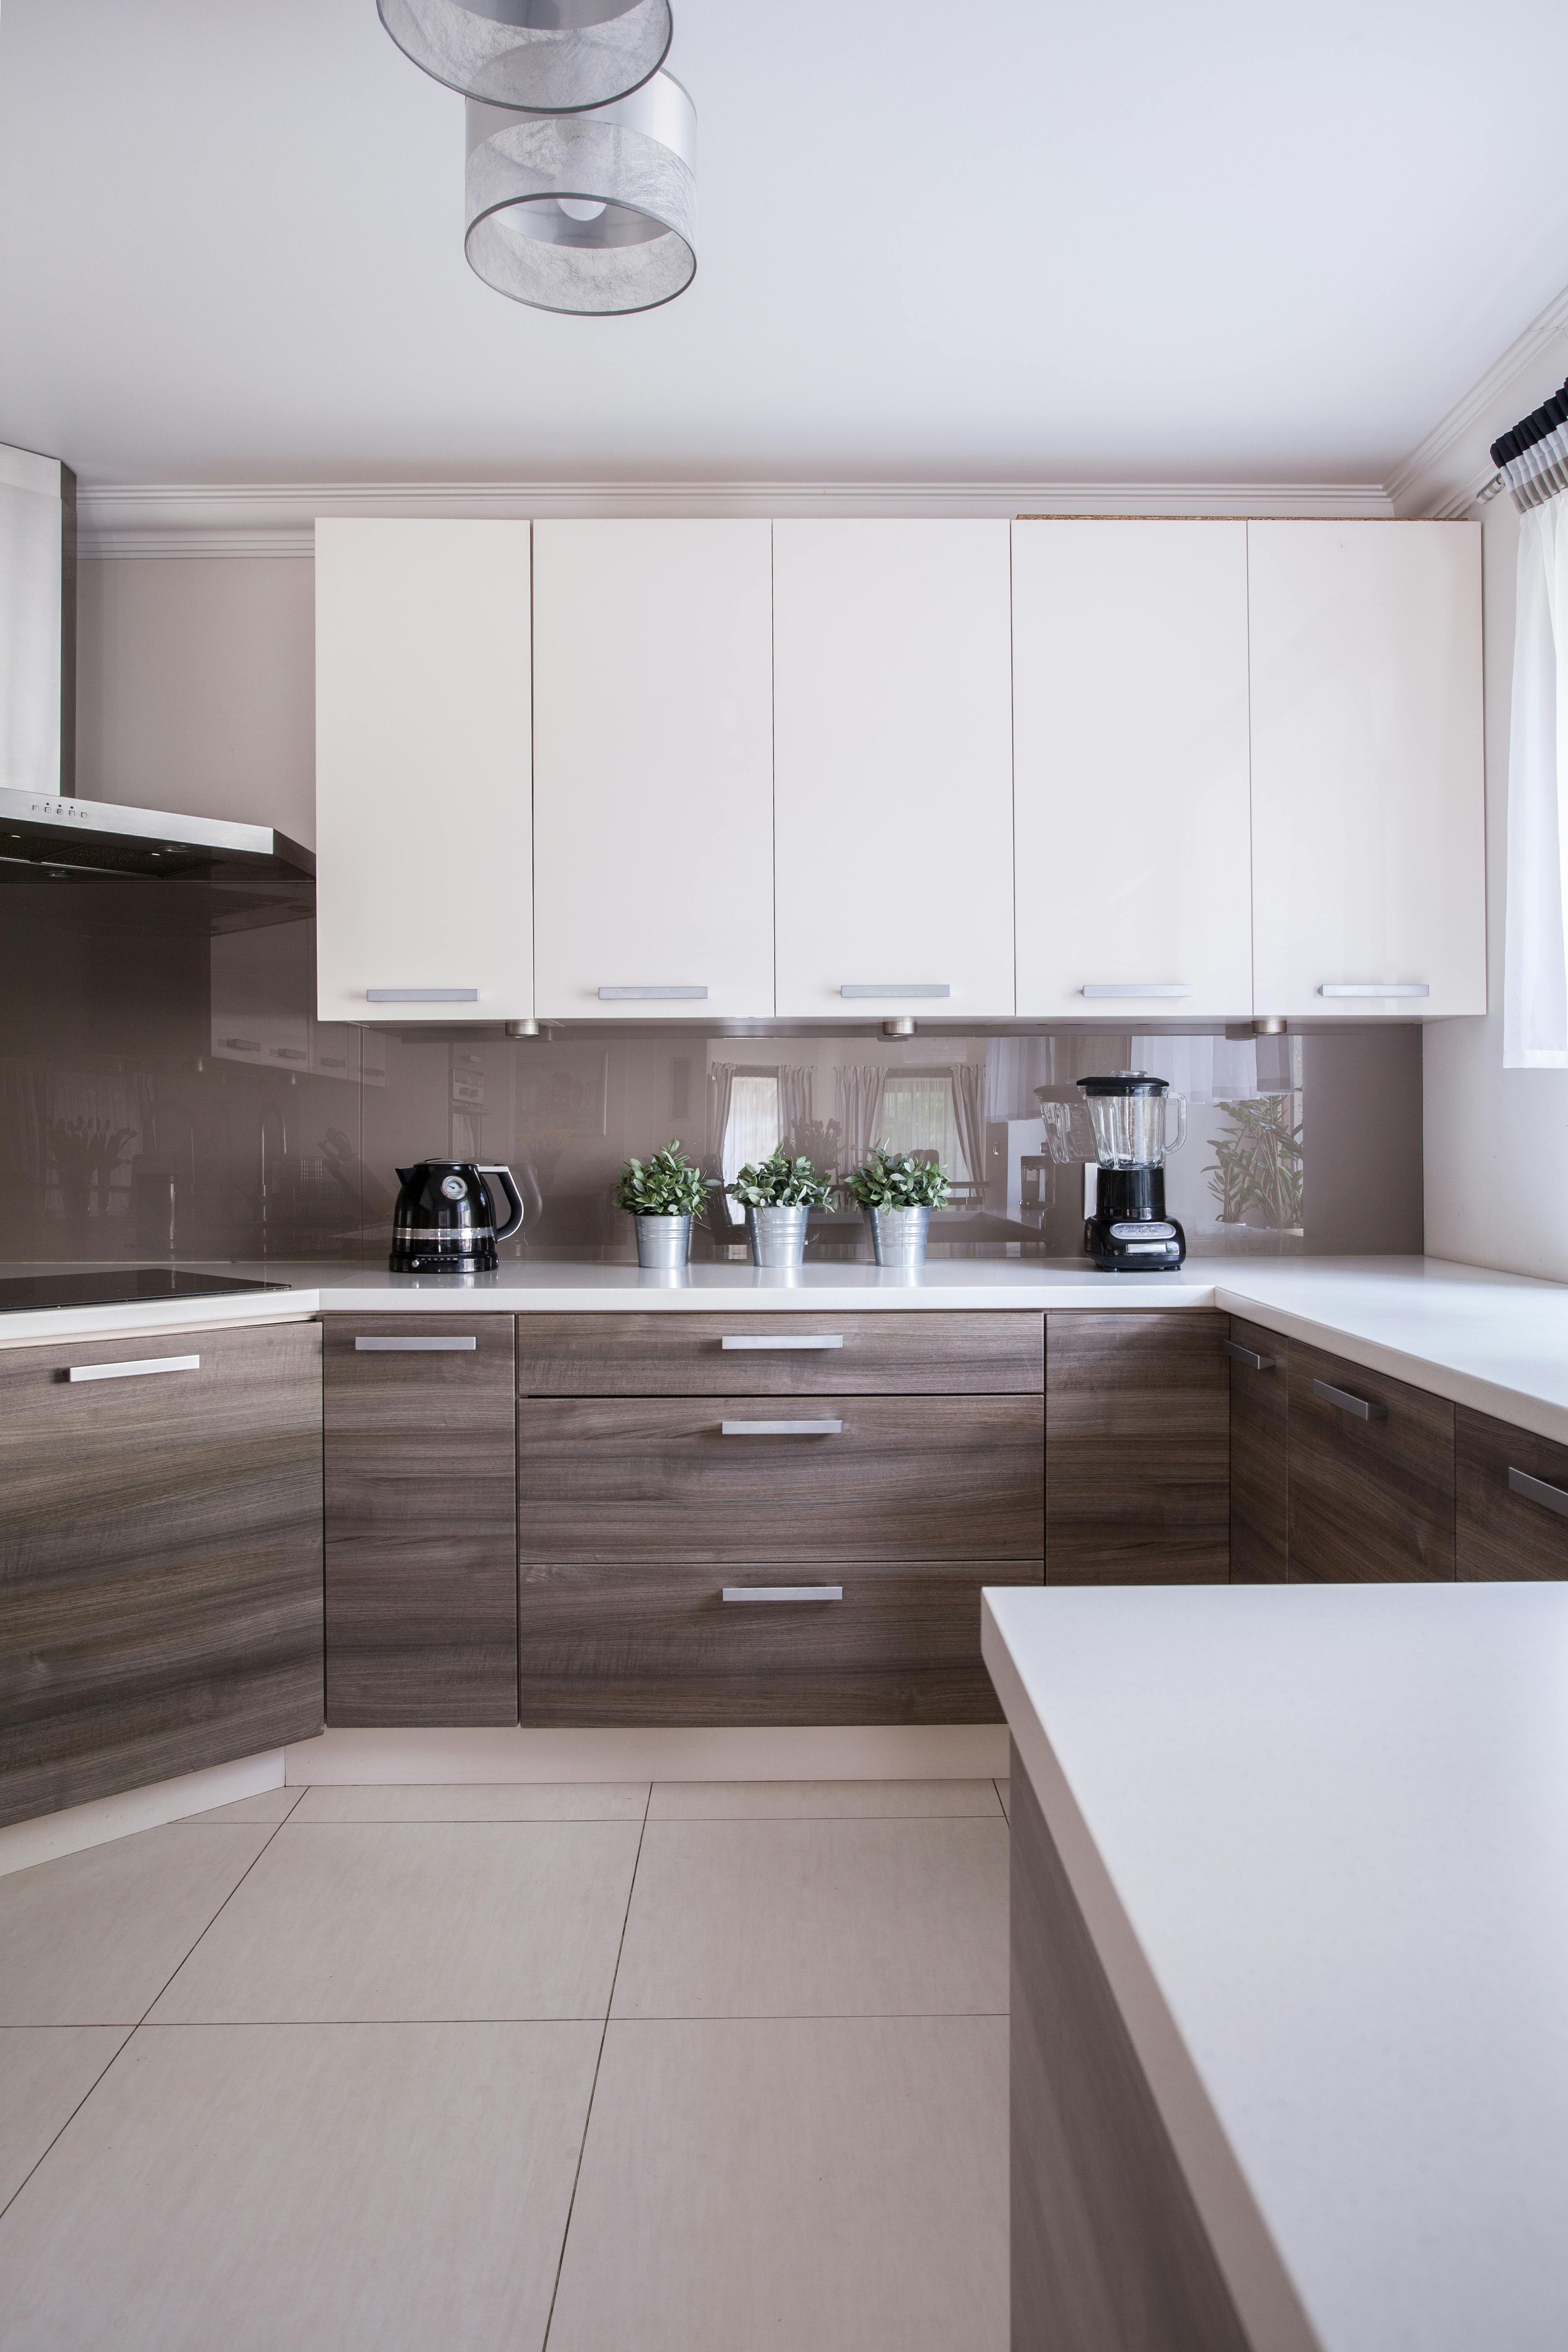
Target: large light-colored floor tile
(830, 2185)
(366, 2187)
(534, 1801)
(273, 1805)
(719, 1800)
(1005, 1791)
(418, 1920)
(817, 1919)
(92, 1938)
(46, 2071)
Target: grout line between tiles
(218, 1914)
(593, 2087)
(7, 2203)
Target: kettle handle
(514, 1202)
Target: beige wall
(195, 687)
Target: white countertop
(1320, 1838)
(1498, 1342)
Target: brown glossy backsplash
(165, 1091)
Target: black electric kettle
(444, 1221)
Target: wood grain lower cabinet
(656, 1641)
(783, 1354)
(824, 1478)
(421, 1519)
(1372, 1476)
(160, 1558)
(1511, 1515)
(1137, 1447)
(1259, 1364)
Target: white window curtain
(1535, 972)
(858, 1090)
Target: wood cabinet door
(893, 770)
(653, 770)
(992, 1353)
(1260, 1371)
(1368, 815)
(421, 1515)
(1130, 769)
(423, 838)
(160, 1557)
(1510, 1516)
(1137, 1448)
(1372, 1476)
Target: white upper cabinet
(893, 770)
(1134, 882)
(653, 770)
(1368, 831)
(423, 826)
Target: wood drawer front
(899, 1354)
(640, 1641)
(902, 1479)
(1259, 1423)
(1137, 1447)
(160, 1560)
(421, 1517)
(1499, 1533)
(1370, 1501)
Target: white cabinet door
(893, 770)
(653, 770)
(1368, 817)
(1134, 883)
(424, 890)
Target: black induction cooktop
(131, 1286)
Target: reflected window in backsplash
(166, 1090)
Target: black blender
(1129, 1232)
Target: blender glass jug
(1131, 1114)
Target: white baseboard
(75, 1827)
(916, 1751)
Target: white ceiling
(1013, 240)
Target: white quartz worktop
(1498, 1342)
(1319, 1835)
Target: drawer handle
(783, 1592)
(1249, 1356)
(1361, 1409)
(781, 1429)
(422, 995)
(1536, 1490)
(1374, 988)
(816, 1340)
(896, 987)
(414, 1347)
(135, 1371)
(647, 995)
(1135, 987)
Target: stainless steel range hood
(46, 835)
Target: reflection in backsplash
(164, 1092)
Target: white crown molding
(244, 519)
(1444, 474)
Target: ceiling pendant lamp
(556, 56)
(588, 212)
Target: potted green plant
(777, 1193)
(661, 1195)
(899, 1193)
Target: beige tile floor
(691, 2068)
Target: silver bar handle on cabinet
(783, 1592)
(1249, 1356)
(640, 995)
(1135, 987)
(816, 1340)
(422, 995)
(1361, 1408)
(1374, 988)
(896, 987)
(781, 1429)
(435, 1347)
(1536, 1490)
(135, 1371)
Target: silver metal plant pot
(777, 1235)
(663, 1241)
(899, 1235)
